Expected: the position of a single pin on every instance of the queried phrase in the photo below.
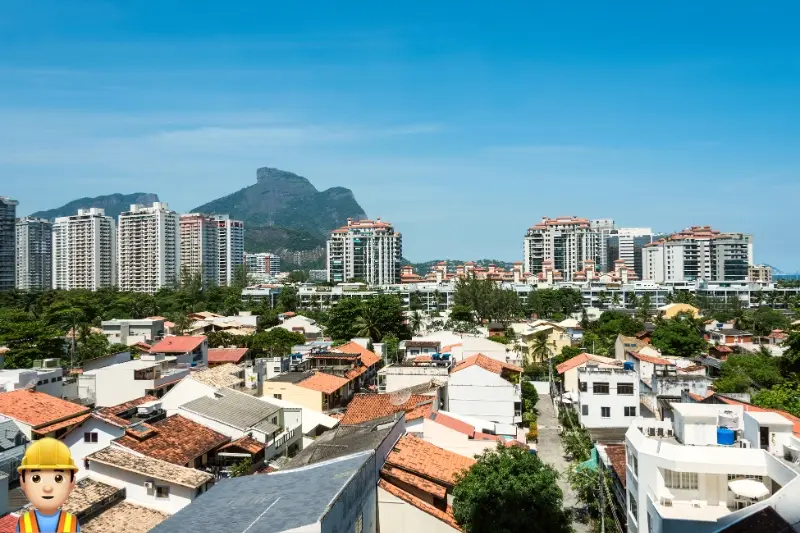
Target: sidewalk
(551, 452)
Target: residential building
(760, 274)
(84, 251)
(699, 253)
(47, 379)
(608, 401)
(301, 324)
(149, 249)
(556, 336)
(200, 248)
(365, 250)
(730, 337)
(415, 347)
(132, 331)
(34, 254)
(40, 415)
(201, 383)
(569, 370)
(565, 243)
(455, 434)
(263, 265)
(150, 375)
(314, 423)
(673, 310)
(189, 350)
(8, 237)
(350, 361)
(317, 275)
(316, 390)
(483, 388)
(628, 245)
(148, 482)
(365, 407)
(420, 371)
(230, 235)
(221, 356)
(625, 344)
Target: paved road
(552, 452)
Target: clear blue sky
(463, 123)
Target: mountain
(114, 204)
(285, 214)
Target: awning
(748, 488)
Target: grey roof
(292, 377)
(711, 361)
(271, 503)
(235, 409)
(732, 332)
(8, 433)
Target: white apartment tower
(231, 248)
(263, 264)
(699, 253)
(84, 251)
(34, 254)
(627, 244)
(149, 248)
(200, 247)
(8, 213)
(567, 242)
(365, 250)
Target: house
(365, 407)
(495, 329)
(150, 375)
(454, 434)
(420, 371)
(203, 382)
(132, 331)
(38, 415)
(109, 359)
(314, 423)
(777, 336)
(148, 482)
(414, 348)
(415, 490)
(625, 344)
(244, 323)
(189, 350)
(105, 425)
(672, 310)
(317, 390)
(272, 429)
(611, 462)
(569, 369)
(220, 356)
(648, 366)
(556, 335)
(350, 361)
(45, 380)
(608, 401)
(175, 439)
(573, 328)
(730, 336)
(12, 448)
(485, 388)
(305, 326)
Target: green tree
(645, 308)
(391, 345)
(415, 322)
(273, 343)
(288, 300)
(745, 372)
(507, 491)
(242, 468)
(374, 317)
(539, 350)
(679, 336)
(298, 276)
(28, 339)
(785, 396)
(462, 313)
(91, 346)
(529, 395)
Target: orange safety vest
(67, 523)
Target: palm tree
(415, 321)
(540, 349)
(367, 324)
(615, 300)
(602, 296)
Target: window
(275, 420)
(90, 437)
(732, 477)
(634, 506)
(583, 386)
(162, 492)
(630, 411)
(278, 396)
(585, 410)
(625, 389)
(600, 388)
(633, 462)
(680, 480)
(276, 369)
(605, 412)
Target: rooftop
(325, 383)
(749, 408)
(768, 418)
(766, 520)
(368, 357)
(236, 409)
(150, 467)
(112, 414)
(650, 359)
(176, 440)
(226, 375)
(427, 460)
(578, 360)
(445, 516)
(124, 517)
(365, 407)
(292, 377)
(245, 443)
(487, 363)
(226, 355)
(38, 409)
(178, 344)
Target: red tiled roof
(60, 425)
(176, 440)
(245, 443)
(569, 364)
(427, 460)
(616, 454)
(722, 349)
(365, 407)
(487, 363)
(445, 516)
(226, 355)
(38, 409)
(452, 423)
(434, 489)
(8, 524)
(368, 357)
(111, 414)
(143, 346)
(423, 359)
(449, 347)
(178, 344)
(322, 382)
(753, 409)
(691, 368)
(650, 359)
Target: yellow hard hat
(47, 454)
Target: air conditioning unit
(148, 485)
(666, 502)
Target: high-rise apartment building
(365, 250)
(84, 251)
(149, 250)
(34, 254)
(567, 242)
(231, 248)
(699, 253)
(8, 238)
(200, 247)
(263, 264)
(627, 244)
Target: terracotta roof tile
(569, 364)
(487, 363)
(425, 459)
(365, 407)
(616, 454)
(452, 423)
(650, 359)
(63, 424)
(368, 357)
(111, 414)
(322, 382)
(8, 524)
(449, 347)
(124, 517)
(176, 440)
(247, 444)
(226, 355)
(434, 489)
(445, 516)
(178, 344)
(147, 466)
(38, 409)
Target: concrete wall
(482, 394)
(106, 360)
(453, 441)
(614, 401)
(80, 449)
(114, 386)
(292, 393)
(133, 483)
(397, 516)
(401, 377)
(357, 503)
(184, 392)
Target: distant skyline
(461, 123)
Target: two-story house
(150, 375)
(608, 401)
(487, 389)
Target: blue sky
(463, 123)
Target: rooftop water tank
(628, 365)
(726, 437)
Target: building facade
(263, 264)
(608, 397)
(760, 274)
(200, 248)
(34, 254)
(566, 242)
(231, 248)
(8, 259)
(84, 248)
(149, 248)
(628, 244)
(365, 250)
(699, 253)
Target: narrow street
(551, 451)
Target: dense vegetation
(113, 204)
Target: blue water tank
(725, 436)
(628, 365)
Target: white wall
(396, 516)
(476, 392)
(114, 386)
(80, 449)
(52, 381)
(401, 377)
(107, 360)
(179, 496)
(453, 441)
(184, 392)
(614, 401)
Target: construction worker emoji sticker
(47, 477)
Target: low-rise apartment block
(150, 375)
(191, 350)
(608, 401)
(132, 331)
(483, 388)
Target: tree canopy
(373, 318)
(487, 300)
(679, 336)
(745, 372)
(507, 491)
(785, 396)
(555, 304)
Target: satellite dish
(30, 385)
(400, 397)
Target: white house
(148, 482)
(131, 331)
(480, 386)
(398, 376)
(189, 350)
(150, 375)
(47, 377)
(201, 383)
(300, 324)
(458, 436)
(569, 368)
(608, 397)
(314, 423)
